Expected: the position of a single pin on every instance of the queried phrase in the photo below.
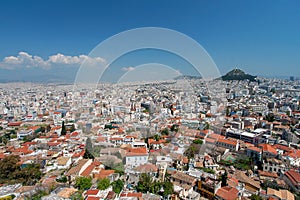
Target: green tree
(103, 184)
(243, 163)
(118, 186)
(270, 117)
(88, 149)
(190, 152)
(29, 175)
(87, 155)
(62, 179)
(224, 178)
(256, 197)
(83, 183)
(144, 183)
(48, 128)
(8, 165)
(72, 129)
(174, 128)
(147, 184)
(43, 129)
(206, 126)
(165, 131)
(89, 144)
(168, 188)
(63, 129)
(198, 141)
(11, 171)
(156, 137)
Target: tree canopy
(147, 184)
(118, 186)
(103, 184)
(11, 171)
(83, 183)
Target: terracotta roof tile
(227, 193)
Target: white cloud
(127, 69)
(26, 60)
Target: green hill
(237, 74)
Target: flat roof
(247, 134)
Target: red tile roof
(267, 174)
(93, 198)
(104, 174)
(136, 151)
(92, 192)
(52, 144)
(115, 139)
(133, 194)
(295, 153)
(253, 148)
(34, 128)
(14, 123)
(226, 141)
(2, 155)
(88, 170)
(227, 193)
(215, 136)
(293, 176)
(210, 140)
(74, 134)
(268, 148)
(282, 147)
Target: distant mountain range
(237, 74)
(187, 77)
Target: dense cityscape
(149, 100)
(151, 140)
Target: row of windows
(136, 158)
(270, 169)
(225, 145)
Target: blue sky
(260, 37)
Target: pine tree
(224, 179)
(88, 155)
(63, 129)
(89, 145)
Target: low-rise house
(250, 184)
(136, 156)
(78, 168)
(280, 194)
(117, 141)
(182, 178)
(265, 175)
(227, 193)
(147, 168)
(232, 144)
(292, 178)
(274, 165)
(164, 160)
(63, 162)
(153, 144)
(66, 193)
(129, 139)
(268, 151)
(110, 174)
(207, 187)
(292, 158)
(24, 133)
(254, 152)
